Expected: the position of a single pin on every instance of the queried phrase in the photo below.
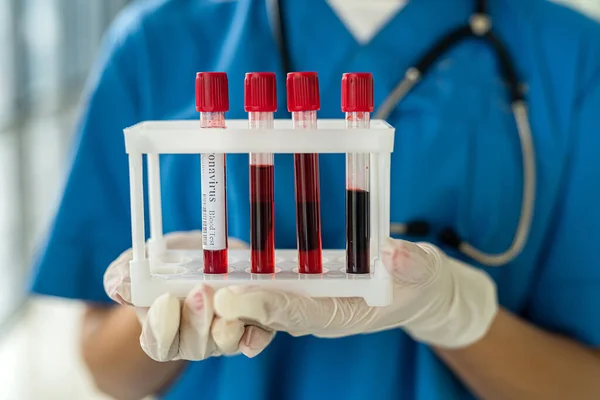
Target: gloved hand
(188, 330)
(437, 300)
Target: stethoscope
(479, 27)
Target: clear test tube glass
(357, 103)
(212, 101)
(303, 102)
(260, 101)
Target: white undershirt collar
(365, 18)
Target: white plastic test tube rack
(178, 271)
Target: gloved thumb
(117, 283)
(160, 330)
(411, 263)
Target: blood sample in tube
(357, 103)
(304, 102)
(212, 101)
(260, 101)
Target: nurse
(457, 329)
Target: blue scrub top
(456, 162)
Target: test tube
(260, 102)
(357, 103)
(212, 101)
(303, 102)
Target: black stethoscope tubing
(479, 27)
(436, 52)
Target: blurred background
(47, 48)
(46, 52)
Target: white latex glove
(188, 330)
(437, 300)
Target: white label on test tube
(213, 202)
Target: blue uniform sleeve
(92, 223)
(566, 298)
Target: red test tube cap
(212, 92)
(260, 92)
(303, 91)
(357, 92)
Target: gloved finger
(255, 340)
(196, 321)
(117, 283)
(160, 331)
(283, 311)
(409, 263)
(227, 334)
